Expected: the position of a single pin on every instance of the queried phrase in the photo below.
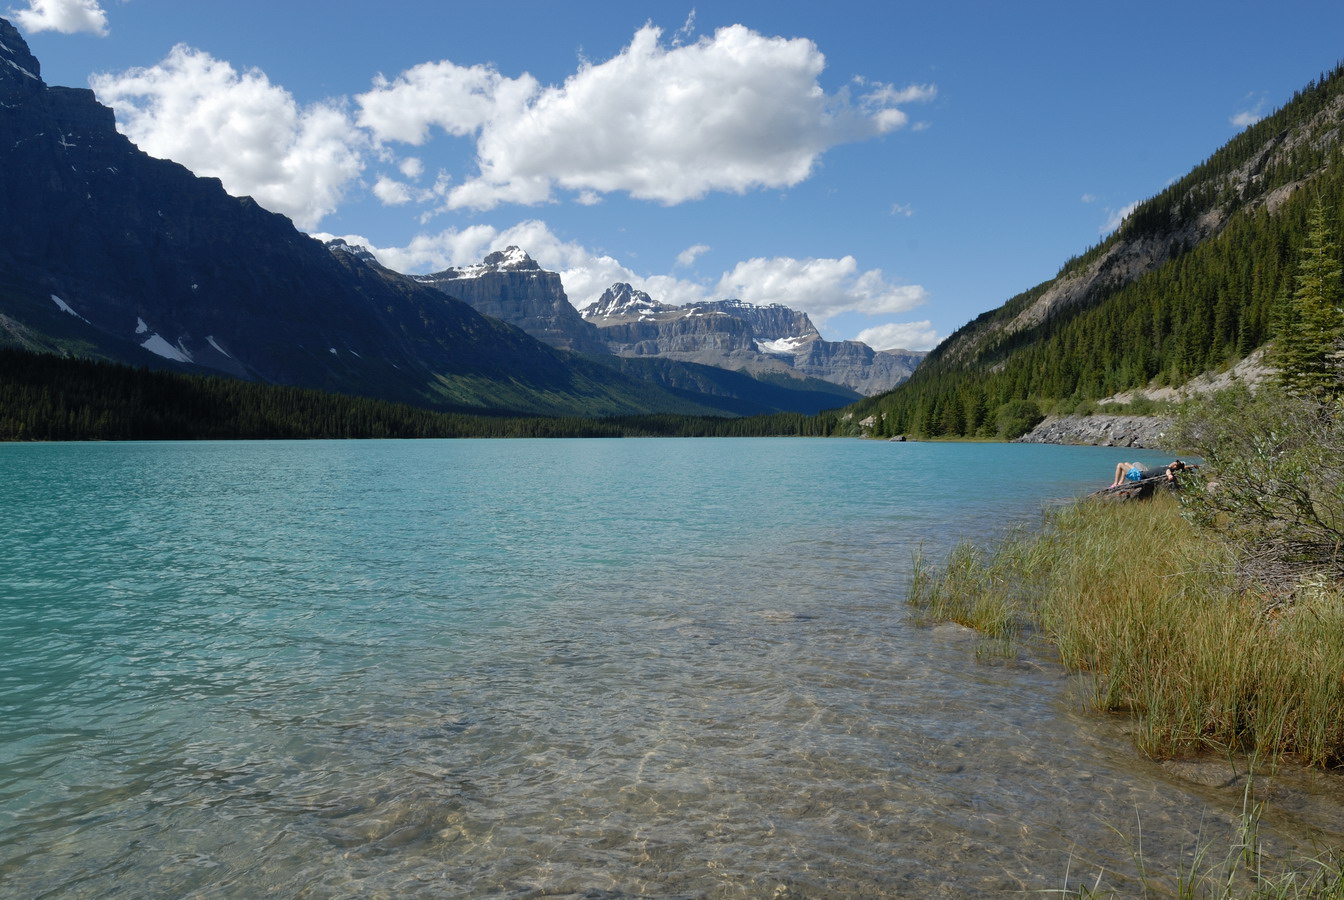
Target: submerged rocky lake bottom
(607, 668)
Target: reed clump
(1157, 612)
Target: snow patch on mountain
(65, 307)
(788, 346)
(157, 345)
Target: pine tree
(1308, 347)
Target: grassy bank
(1154, 610)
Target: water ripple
(523, 669)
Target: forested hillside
(1194, 280)
(44, 397)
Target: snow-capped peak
(622, 299)
(510, 259)
(358, 251)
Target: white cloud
(584, 273)
(900, 336)
(467, 246)
(391, 192)
(65, 16)
(1117, 217)
(731, 112)
(240, 128)
(1088, 198)
(688, 256)
(458, 99)
(902, 209)
(823, 288)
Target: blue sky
(893, 169)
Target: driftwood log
(1143, 489)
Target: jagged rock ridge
(768, 340)
(510, 286)
(734, 334)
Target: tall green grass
(1153, 609)
(1155, 612)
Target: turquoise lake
(600, 669)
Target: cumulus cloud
(65, 16)
(689, 255)
(901, 336)
(467, 246)
(240, 128)
(391, 192)
(824, 288)
(731, 112)
(458, 99)
(585, 273)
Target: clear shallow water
(667, 668)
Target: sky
(893, 169)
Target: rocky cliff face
(621, 301)
(774, 322)
(674, 332)
(509, 285)
(736, 335)
(856, 365)
(1146, 432)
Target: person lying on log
(1131, 473)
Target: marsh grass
(1161, 618)
(1154, 610)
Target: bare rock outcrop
(1145, 432)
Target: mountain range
(729, 334)
(108, 253)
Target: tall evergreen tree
(1308, 352)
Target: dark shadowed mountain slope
(108, 253)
